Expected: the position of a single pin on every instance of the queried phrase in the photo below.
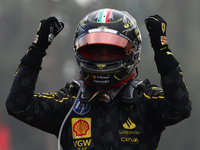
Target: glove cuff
(33, 58)
(40, 46)
(165, 60)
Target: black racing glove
(47, 31)
(156, 26)
(164, 58)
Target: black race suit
(134, 120)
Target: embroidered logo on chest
(81, 128)
(81, 108)
(81, 133)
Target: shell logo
(93, 76)
(81, 128)
(163, 40)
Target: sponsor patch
(81, 108)
(163, 40)
(81, 128)
(129, 124)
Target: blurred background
(18, 25)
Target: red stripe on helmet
(108, 15)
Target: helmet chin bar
(106, 77)
(114, 85)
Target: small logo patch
(129, 124)
(81, 128)
(81, 108)
(163, 40)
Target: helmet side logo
(126, 25)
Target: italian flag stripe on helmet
(104, 15)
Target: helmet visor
(101, 38)
(102, 52)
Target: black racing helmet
(109, 27)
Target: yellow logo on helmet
(100, 66)
(126, 25)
